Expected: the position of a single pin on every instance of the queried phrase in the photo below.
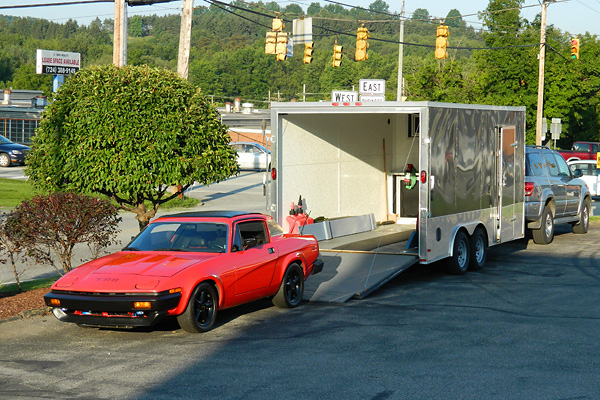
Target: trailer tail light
(529, 188)
(423, 176)
(273, 173)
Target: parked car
(590, 174)
(581, 151)
(252, 155)
(553, 194)
(190, 266)
(12, 153)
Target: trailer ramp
(357, 265)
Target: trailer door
(506, 167)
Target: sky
(571, 16)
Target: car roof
(211, 214)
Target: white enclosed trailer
(450, 174)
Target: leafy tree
(421, 14)
(454, 19)
(130, 133)
(379, 6)
(313, 9)
(135, 26)
(50, 226)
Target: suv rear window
(535, 165)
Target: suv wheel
(584, 219)
(545, 234)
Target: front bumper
(111, 310)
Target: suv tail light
(529, 188)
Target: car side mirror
(578, 173)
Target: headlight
(17, 152)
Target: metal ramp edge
(354, 274)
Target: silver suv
(553, 194)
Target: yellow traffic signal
(362, 34)
(441, 42)
(337, 55)
(308, 52)
(271, 42)
(281, 46)
(575, 48)
(277, 25)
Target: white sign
(371, 86)
(343, 96)
(57, 62)
(367, 98)
(302, 30)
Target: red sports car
(188, 265)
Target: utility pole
(120, 34)
(400, 54)
(185, 37)
(542, 60)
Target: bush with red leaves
(49, 227)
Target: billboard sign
(57, 62)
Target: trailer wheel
(458, 263)
(478, 244)
(545, 233)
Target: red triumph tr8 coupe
(188, 265)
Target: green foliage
(15, 191)
(49, 227)
(227, 57)
(129, 133)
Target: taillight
(273, 173)
(529, 188)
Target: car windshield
(4, 140)
(203, 237)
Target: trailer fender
(457, 229)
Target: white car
(251, 155)
(591, 174)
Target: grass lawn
(28, 285)
(15, 191)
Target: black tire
(545, 234)
(4, 160)
(478, 249)
(584, 219)
(291, 289)
(201, 311)
(458, 263)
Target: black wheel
(4, 160)
(545, 234)
(478, 249)
(584, 219)
(291, 289)
(201, 311)
(458, 263)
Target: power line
(56, 4)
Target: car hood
(160, 264)
(13, 146)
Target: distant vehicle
(12, 153)
(581, 151)
(553, 195)
(188, 265)
(252, 155)
(590, 174)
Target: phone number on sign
(48, 69)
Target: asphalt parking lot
(525, 327)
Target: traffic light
(362, 34)
(441, 42)
(308, 52)
(281, 46)
(277, 25)
(337, 55)
(575, 49)
(271, 42)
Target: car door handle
(271, 250)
